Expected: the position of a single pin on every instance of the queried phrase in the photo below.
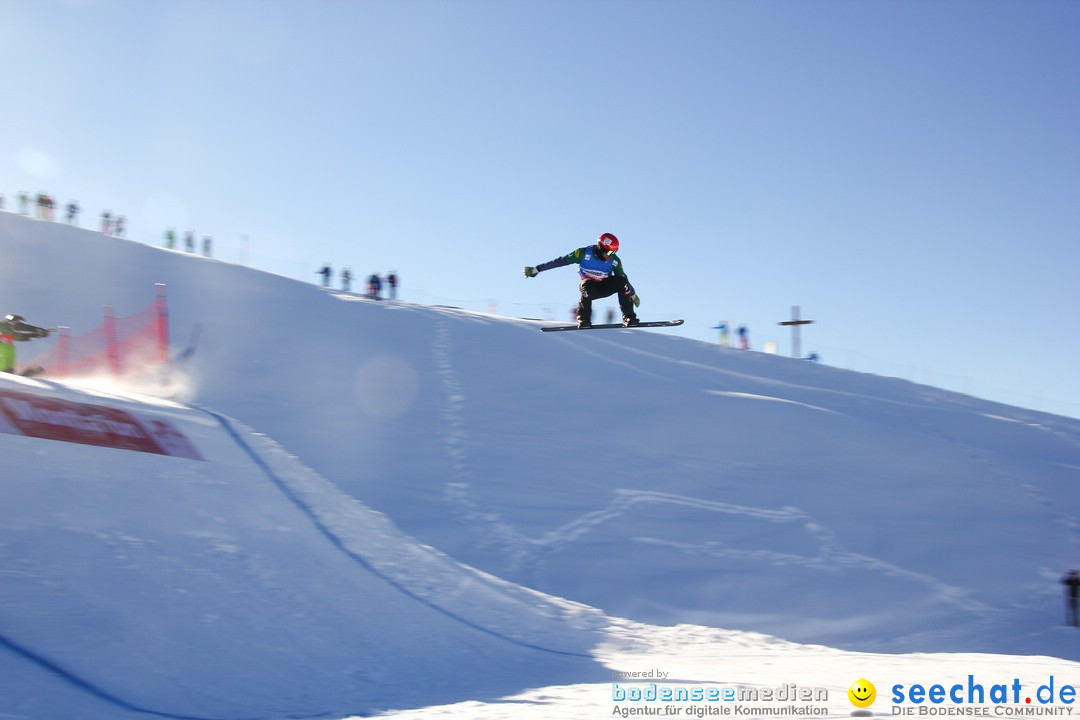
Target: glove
(637, 300)
(531, 272)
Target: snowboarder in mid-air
(602, 275)
(13, 329)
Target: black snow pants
(597, 289)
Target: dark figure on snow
(391, 280)
(325, 271)
(346, 279)
(13, 329)
(1071, 581)
(602, 275)
(374, 286)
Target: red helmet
(608, 242)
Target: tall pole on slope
(796, 323)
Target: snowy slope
(648, 476)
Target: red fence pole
(112, 346)
(63, 352)
(162, 324)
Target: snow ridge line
(100, 693)
(338, 543)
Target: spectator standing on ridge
(106, 222)
(120, 225)
(24, 203)
(189, 241)
(722, 332)
(346, 279)
(325, 271)
(602, 275)
(170, 239)
(207, 245)
(13, 329)
(1, 201)
(1071, 581)
(744, 337)
(391, 281)
(72, 213)
(374, 286)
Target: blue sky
(907, 172)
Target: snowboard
(614, 326)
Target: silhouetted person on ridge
(1071, 581)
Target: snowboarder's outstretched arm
(569, 259)
(32, 332)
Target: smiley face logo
(862, 693)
